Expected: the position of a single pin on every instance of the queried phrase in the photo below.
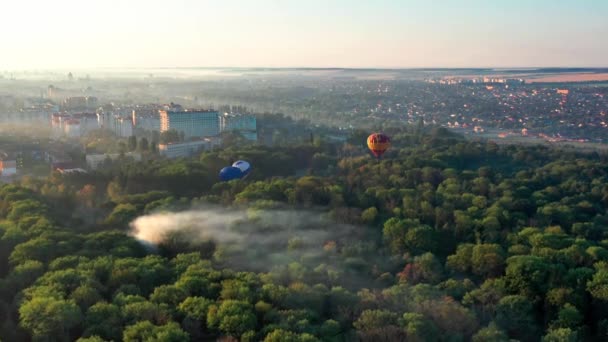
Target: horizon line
(312, 68)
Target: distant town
(195, 130)
(110, 118)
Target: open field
(563, 77)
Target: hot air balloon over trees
(230, 172)
(244, 166)
(378, 143)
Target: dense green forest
(444, 239)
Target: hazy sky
(302, 33)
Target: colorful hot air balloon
(244, 166)
(230, 172)
(378, 143)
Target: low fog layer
(204, 225)
(246, 239)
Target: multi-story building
(146, 119)
(58, 122)
(51, 91)
(73, 125)
(95, 160)
(71, 128)
(187, 149)
(88, 122)
(80, 103)
(242, 123)
(8, 167)
(193, 123)
(123, 126)
(36, 114)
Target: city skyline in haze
(316, 34)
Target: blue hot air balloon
(230, 172)
(244, 166)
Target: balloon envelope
(230, 172)
(378, 143)
(244, 166)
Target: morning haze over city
(304, 170)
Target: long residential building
(187, 149)
(242, 123)
(73, 125)
(95, 160)
(193, 123)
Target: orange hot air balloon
(378, 143)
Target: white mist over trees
(249, 239)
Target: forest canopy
(443, 239)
